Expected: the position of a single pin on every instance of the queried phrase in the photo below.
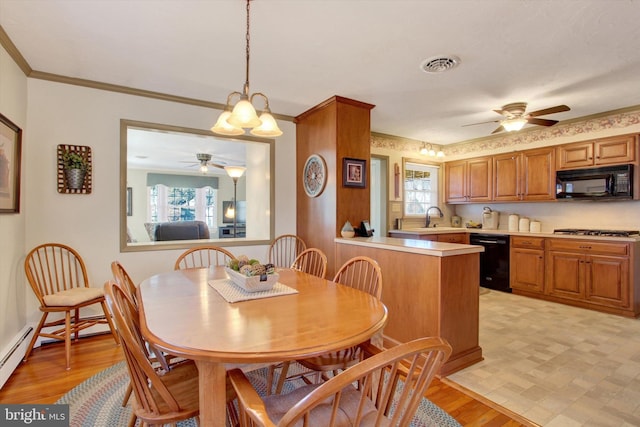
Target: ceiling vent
(439, 64)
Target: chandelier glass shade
(243, 115)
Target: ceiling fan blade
(501, 112)
(552, 110)
(481, 123)
(541, 122)
(498, 129)
(216, 165)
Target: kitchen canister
(514, 222)
(523, 225)
(456, 221)
(535, 226)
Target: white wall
(66, 114)
(13, 105)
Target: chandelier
(243, 115)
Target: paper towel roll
(513, 222)
(524, 224)
(534, 226)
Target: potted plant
(75, 167)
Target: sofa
(177, 230)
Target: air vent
(439, 64)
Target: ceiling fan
(204, 161)
(515, 117)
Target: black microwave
(610, 182)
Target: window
(182, 204)
(420, 188)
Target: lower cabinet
(585, 273)
(454, 238)
(526, 269)
(589, 272)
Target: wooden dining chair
(203, 256)
(159, 399)
(284, 250)
(122, 278)
(384, 389)
(159, 359)
(58, 277)
(362, 273)
(312, 261)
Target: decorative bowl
(264, 282)
(347, 234)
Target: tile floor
(557, 365)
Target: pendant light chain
(248, 39)
(236, 118)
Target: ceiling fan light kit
(232, 122)
(513, 125)
(515, 117)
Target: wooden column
(335, 129)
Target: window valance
(181, 181)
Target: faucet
(429, 220)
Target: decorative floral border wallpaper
(614, 121)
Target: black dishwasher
(494, 261)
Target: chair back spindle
(284, 250)
(203, 256)
(312, 261)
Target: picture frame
(354, 172)
(10, 155)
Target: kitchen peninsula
(430, 289)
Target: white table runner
(233, 293)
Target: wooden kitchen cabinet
(526, 272)
(453, 238)
(524, 176)
(606, 151)
(468, 180)
(589, 272)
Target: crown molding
(15, 54)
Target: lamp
(234, 172)
(515, 124)
(243, 115)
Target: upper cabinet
(530, 175)
(605, 151)
(468, 180)
(524, 176)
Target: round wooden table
(183, 315)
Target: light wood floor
(43, 379)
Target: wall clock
(314, 175)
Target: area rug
(97, 402)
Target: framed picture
(354, 172)
(10, 150)
(129, 201)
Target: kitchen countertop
(424, 247)
(443, 230)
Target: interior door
(379, 195)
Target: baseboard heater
(13, 355)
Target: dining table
(200, 314)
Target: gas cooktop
(586, 232)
